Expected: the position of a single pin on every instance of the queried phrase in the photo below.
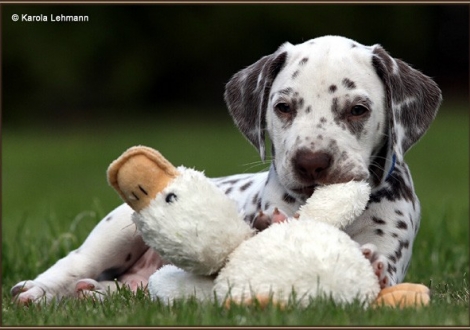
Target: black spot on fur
(405, 244)
(233, 181)
(349, 84)
(332, 88)
(254, 201)
(410, 218)
(229, 190)
(109, 218)
(335, 108)
(249, 218)
(344, 156)
(402, 225)
(303, 61)
(402, 245)
(246, 186)
(286, 91)
(295, 74)
(398, 212)
(309, 108)
(288, 198)
(391, 269)
(378, 221)
(379, 232)
(397, 189)
(398, 254)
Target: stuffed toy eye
(170, 198)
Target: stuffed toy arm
(179, 212)
(336, 204)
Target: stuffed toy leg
(192, 224)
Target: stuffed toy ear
(139, 174)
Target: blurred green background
(76, 95)
(174, 60)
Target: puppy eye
(283, 108)
(170, 198)
(358, 110)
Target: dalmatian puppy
(334, 111)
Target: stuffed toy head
(195, 226)
(179, 212)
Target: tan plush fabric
(404, 295)
(139, 174)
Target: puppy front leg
(112, 246)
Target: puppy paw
(379, 263)
(263, 219)
(90, 289)
(28, 292)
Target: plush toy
(215, 254)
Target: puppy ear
(247, 93)
(412, 101)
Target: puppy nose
(310, 166)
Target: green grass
(54, 191)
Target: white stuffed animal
(214, 253)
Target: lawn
(54, 191)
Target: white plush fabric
(337, 204)
(200, 231)
(197, 228)
(170, 282)
(313, 259)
